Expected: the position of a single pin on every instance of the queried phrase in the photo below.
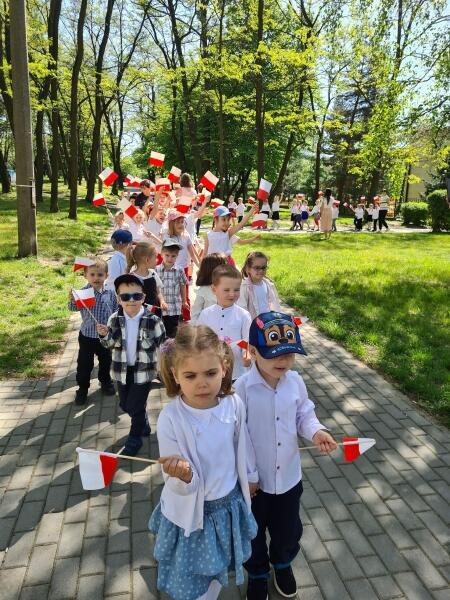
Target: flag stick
(337, 443)
(82, 302)
(118, 455)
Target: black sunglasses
(135, 296)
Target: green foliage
(414, 213)
(439, 209)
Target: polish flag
(97, 469)
(80, 263)
(99, 200)
(209, 181)
(300, 320)
(203, 197)
(346, 204)
(84, 298)
(264, 189)
(129, 209)
(156, 159)
(152, 308)
(259, 220)
(108, 176)
(129, 180)
(251, 200)
(216, 202)
(174, 175)
(354, 447)
(184, 204)
(242, 344)
(162, 183)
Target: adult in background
(146, 190)
(326, 214)
(384, 206)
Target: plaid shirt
(172, 280)
(150, 335)
(105, 305)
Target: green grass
(33, 299)
(385, 298)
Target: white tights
(213, 591)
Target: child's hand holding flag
(324, 441)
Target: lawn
(384, 297)
(33, 300)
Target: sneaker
(132, 445)
(80, 397)
(257, 589)
(108, 389)
(285, 583)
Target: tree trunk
(39, 158)
(53, 36)
(73, 115)
(5, 60)
(259, 110)
(4, 175)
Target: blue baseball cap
(221, 211)
(122, 236)
(274, 333)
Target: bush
(414, 213)
(439, 210)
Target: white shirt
(204, 297)
(190, 221)
(117, 265)
(335, 212)
(274, 418)
(219, 241)
(294, 209)
(214, 428)
(233, 322)
(275, 206)
(262, 296)
(131, 332)
(232, 205)
(375, 212)
(156, 228)
(265, 206)
(240, 209)
(359, 213)
(315, 209)
(183, 258)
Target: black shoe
(285, 583)
(132, 445)
(108, 389)
(257, 589)
(81, 397)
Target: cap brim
(274, 351)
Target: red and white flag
(97, 469)
(243, 344)
(216, 202)
(162, 183)
(152, 308)
(251, 200)
(156, 159)
(259, 220)
(108, 176)
(80, 263)
(354, 447)
(129, 209)
(84, 298)
(129, 180)
(99, 200)
(300, 320)
(174, 175)
(184, 204)
(264, 189)
(209, 181)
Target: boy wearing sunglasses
(133, 333)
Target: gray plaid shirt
(172, 280)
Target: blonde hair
(171, 227)
(99, 263)
(191, 339)
(136, 253)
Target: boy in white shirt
(278, 409)
(226, 318)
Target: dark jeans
(375, 221)
(133, 401)
(280, 514)
(88, 348)
(171, 324)
(382, 219)
(358, 224)
(197, 225)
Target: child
(204, 296)
(258, 293)
(223, 236)
(278, 409)
(304, 215)
(375, 215)
(203, 524)
(276, 212)
(226, 318)
(240, 209)
(133, 333)
(174, 283)
(265, 208)
(232, 206)
(359, 215)
(119, 221)
(141, 260)
(315, 212)
(120, 240)
(334, 215)
(88, 342)
(369, 216)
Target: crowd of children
(228, 439)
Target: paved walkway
(375, 528)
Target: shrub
(415, 213)
(439, 210)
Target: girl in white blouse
(258, 293)
(204, 296)
(203, 522)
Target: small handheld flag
(99, 200)
(156, 159)
(162, 183)
(184, 204)
(251, 200)
(129, 209)
(80, 263)
(174, 175)
(97, 469)
(354, 447)
(242, 344)
(209, 181)
(108, 176)
(84, 298)
(300, 320)
(259, 220)
(216, 202)
(264, 189)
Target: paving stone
(29, 516)
(91, 587)
(354, 537)
(343, 559)
(323, 524)
(438, 505)
(373, 501)
(386, 587)
(311, 544)
(50, 528)
(57, 498)
(404, 514)
(331, 584)
(345, 492)
(372, 566)
(424, 569)
(412, 586)
(437, 527)
(93, 556)
(71, 541)
(388, 553)
(41, 565)
(361, 588)
(310, 593)
(396, 532)
(119, 534)
(35, 592)
(11, 582)
(64, 580)
(118, 575)
(76, 508)
(431, 547)
(336, 508)
(97, 521)
(19, 550)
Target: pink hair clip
(226, 339)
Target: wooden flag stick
(337, 443)
(119, 455)
(82, 302)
